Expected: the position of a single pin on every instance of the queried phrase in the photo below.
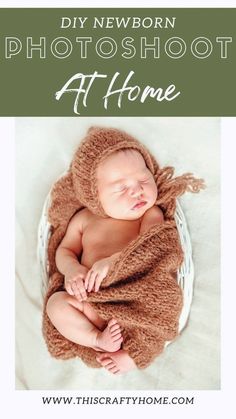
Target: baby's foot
(110, 339)
(117, 363)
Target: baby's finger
(86, 281)
(92, 279)
(75, 289)
(79, 292)
(69, 288)
(83, 292)
(98, 282)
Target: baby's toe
(117, 344)
(116, 337)
(114, 329)
(110, 365)
(116, 333)
(105, 360)
(113, 369)
(111, 323)
(107, 363)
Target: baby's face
(126, 186)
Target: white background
(27, 404)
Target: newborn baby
(127, 192)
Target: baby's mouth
(140, 204)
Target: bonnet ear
(93, 129)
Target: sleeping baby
(127, 193)
(113, 298)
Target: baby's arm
(67, 258)
(151, 217)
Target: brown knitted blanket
(140, 291)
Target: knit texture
(140, 290)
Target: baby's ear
(93, 129)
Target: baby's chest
(110, 233)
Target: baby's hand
(74, 282)
(97, 273)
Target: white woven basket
(185, 276)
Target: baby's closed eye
(147, 179)
(121, 189)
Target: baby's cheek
(105, 200)
(156, 192)
(152, 189)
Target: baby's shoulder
(154, 213)
(80, 219)
(152, 216)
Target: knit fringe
(169, 187)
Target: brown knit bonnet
(98, 144)
(78, 188)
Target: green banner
(122, 62)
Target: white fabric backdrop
(44, 147)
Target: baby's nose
(136, 191)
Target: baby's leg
(81, 324)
